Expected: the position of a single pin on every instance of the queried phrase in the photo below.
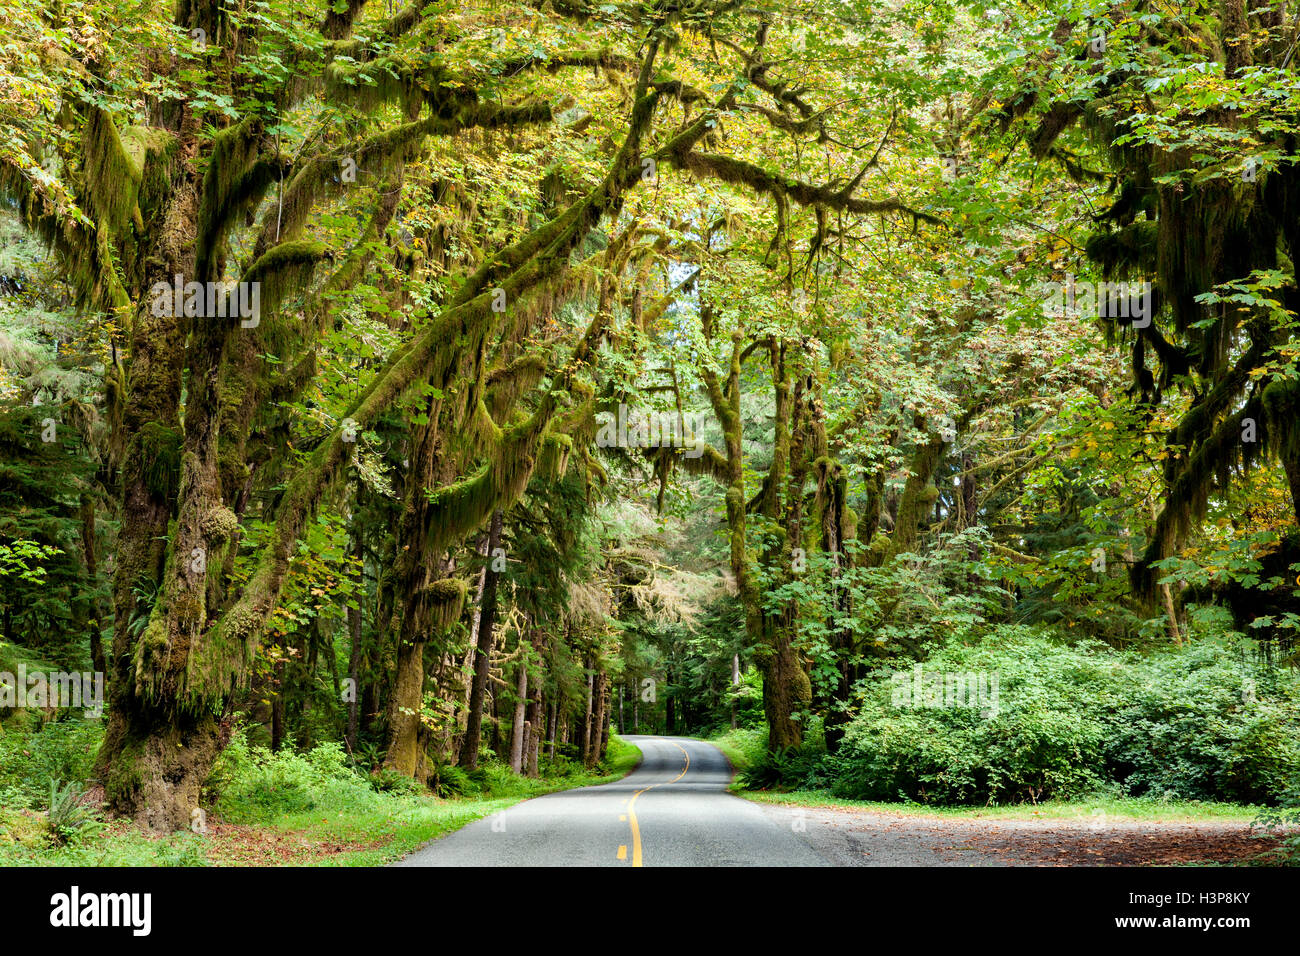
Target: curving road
(673, 810)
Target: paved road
(673, 810)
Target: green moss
(1281, 401)
(160, 455)
(285, 269)
(220, 524)
(236, 177)
(445, 599)
(113, 174)
(554, 459)
(123, 777)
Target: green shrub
(558, 766)
(743, 746)
(68, 818)
(253, 785)
(1072, 719)
(1199, 727)
(1285, 817)
(448, 780)
(55, 750)
(796, 767)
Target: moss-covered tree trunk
(786, 688)
(159, 744)
(486, 624)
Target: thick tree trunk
(404, 707)
(162, 768)
(786, 687)
(430, 598)
(157, 750)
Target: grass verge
(343, 822)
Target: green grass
(739, 746)
(346, 823)
(1115, 808)
(434, 818)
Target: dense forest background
(689, 368)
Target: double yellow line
(631, 809)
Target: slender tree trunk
(551, 722)
(735, 682)
(277, 710)
(482, 651)
(354, 659)
(596, 722)
(532, 758)
(1167, 597)
(518, 731)
(670, 705)
(467, 663)
(586, 721)
(495, 739)
(534, 718)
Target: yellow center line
(631, 811)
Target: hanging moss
(155, 151)
(1281, 402)
(381, 156)
(238, 174)
(386, 79)
(280, 272)
(113, 175)
(554, 459)
(459, 508)
(84, 251)
(1127, 251)
(505, 386)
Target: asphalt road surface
(673, 810)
